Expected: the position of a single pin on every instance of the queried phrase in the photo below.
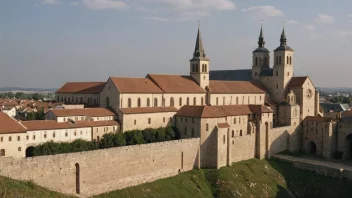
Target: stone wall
(107, 169)
(284, 138)
(242, 147)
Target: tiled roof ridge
(153, 80)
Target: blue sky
(45, 43)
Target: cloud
(343, 34)
(104, 4)
(310, 27)
(292, 22)
(49, 1)
(264, 11)
(74, 3)
(160, 19)
(324, 18)
(185, 16)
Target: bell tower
(199, 64)
(283, 68)
(261, 57)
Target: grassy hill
(247, 179)
(252, 178)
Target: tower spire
(283, 40)
(261, 41)
(199, 49)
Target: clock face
(309, 93)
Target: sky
(45, 43)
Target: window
(256, 61)
(1, 139)
(249, 100)
(27, 137)
(260, 99)
(236, 100)
(135, 122)
(192, 132)
(66, 134)
(239, 120)
(234, 120)
(224, 139)
(138, 102)
(180, 102)
(2, 152)
(54, 134)
(290, 60)
(217, 101)
(155, 102)
(19, 148)
(288, 73)
(148, 102)
(240, 132)
(207, 127)
(277, 86)
(233, 133)
(206, 68)
(277, 73)
(44, 135)
(279, 59)
(223, 100)
(185, 130)
(187, 101)
(10, 139)
(172, 102)
(194, 101)
(149, 121)
(129, 103)
(164, 119)
(80, 132)
(33, 137)
(181, 119)
(265, 61)
(75, 133)
(202, 101)
(287, 60)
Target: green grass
(12, 188)
(251, 178)
(248, 179)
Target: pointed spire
(261, 41)
(283, 40)
(199, 49)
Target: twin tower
(281, 73)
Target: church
(237, 114)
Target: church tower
(261, 57)
(283, 68)
(199, 64)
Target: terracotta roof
(82, 87)
(200, 112)
(135, 85)
(176, 83)
(318, 119)
(221, 111)
(137, 110)
(237, 87)
(36, 125)
(223, 125)
(347, 113)
(297, 81)
(9, 125)
(93, 112)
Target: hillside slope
(252, 178)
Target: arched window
(206, 68)
(187, 100)
(287, 60)
(194, 101)
(202, 101)
(2, 152)
(163, 102)
(234, 120)
(180, 102)
(256, 61)
(207, 127)
(233, 133)
(148, 102)
(277, 60)
(139, 102)
(236, 100)
(217, 101)
(203, 68)
(129, 103)
(290, 60)
(280, 59)
(155, 102)
(149, 120)
(172, 103)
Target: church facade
(238, 114)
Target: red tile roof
(93, 112)
(223, 125)
(82, 87)
(235, 87)
(36, 125)
(9, 125)
(135, 85)
(297, 81)
(138, 110)
(176, 83)
(221, 111)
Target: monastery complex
(234, 114)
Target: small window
(207, 127)
(234, 120)
(155, 102)
(33, 137)
(19, 148)
(18, 138)
(135, 122)
(202, 101)
(2, 139)
(75, 133)
(224, 138)
(217, 101)
(138, 102)
(149, 121)
(27, 137)
(54, 134)
(240, 132)
(148, 102)
(187, 101)
(194, 101)
(277, 86)
(10, 139)
(66, 134)
(239, 120)
(233, 133)
(172, 102)
(181, 119)
(164, 119)
(129, 101)
(44, 135)
(288, 73)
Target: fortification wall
(284, 138)
(242, 147)
(107, 169)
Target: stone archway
(349, 147)
(312, 147)
(29, 151)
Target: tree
(346, 100)
(137, 137)
(334, 100)
(31, 116)
(36, 96)
(107, 141)
(119, 139)
(20, 95)
(10, 94)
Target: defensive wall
(99, 171)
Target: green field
(252, 178)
